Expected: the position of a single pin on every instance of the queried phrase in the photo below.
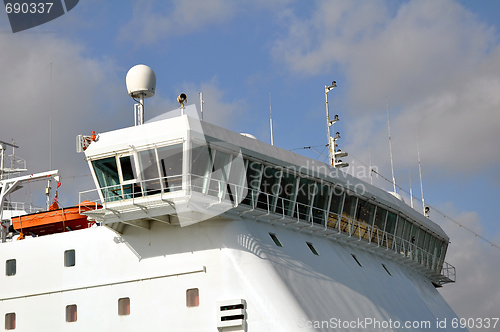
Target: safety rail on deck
(262, 205)
(21, 206)
(130, 191)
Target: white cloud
(154, 20)
(218, 108)
(474, 295)
(78, 93)
(437, 65)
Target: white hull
(285, 288)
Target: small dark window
(71, 313)
(311, 247)
(386, 270)
(10, 267)
(128, 168)
(124, 306)
(192, 297)
(69, 258)
(356, 259)
(10, 321)
(275, 239)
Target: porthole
(356, 259)
(275, 239)
(386, 269)
(124, 306)
(192, 297)
(71, 313)
(311, 247)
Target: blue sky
(436, 63)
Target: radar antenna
(141, 84)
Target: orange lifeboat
(56, 220)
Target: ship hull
(287, 288)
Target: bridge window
(335, 206)
(305, 193)
(390, 225)
(364, 215)
(149, 171)
(237, 187)
(287, 190)
(127, 165)
(129, 178)
(268, 187)
(106, 172)
(170, 160)
(321, 204)
(253, 182)
(406, 229)
(201, 163)
(365, 212)
(348, 211)
(218, 176)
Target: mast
(201, 105)
(271, 120)
(47, 189)
(390, 144)
(333, 152)
(425, 209)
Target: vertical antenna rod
(411, 190)
(426, 211)
(271, 120)
(47, 190)
(370, 168)
(390, 144)
(201, 105)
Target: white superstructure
(205, 229)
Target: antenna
(141, 83)
(334, 153)
(271, 120)
(201, 105)
(411, 189)
(370, 167)
(47, 189)
(425, 208)
(390, 144)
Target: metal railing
(130, 191)
(279, 208)
(21, 206)
(308, 215)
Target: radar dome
(141, 80)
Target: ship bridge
(182, 171)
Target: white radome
(141, 80)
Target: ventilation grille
(232, 315)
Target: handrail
(287, 209)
